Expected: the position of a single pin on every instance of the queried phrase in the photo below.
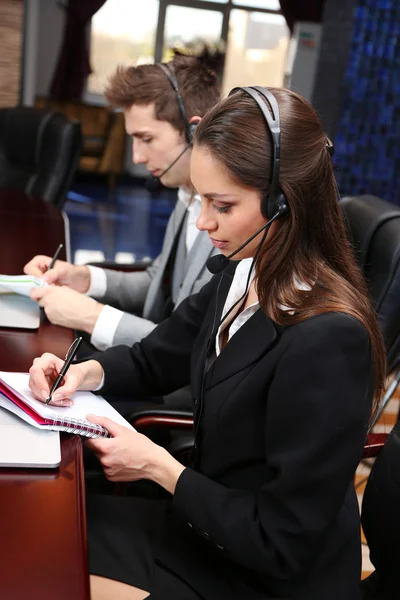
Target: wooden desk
(29, 226)
(42, 512)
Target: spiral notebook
(16, 397)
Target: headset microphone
(153, 184)
(216, 264)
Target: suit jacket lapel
(211, 323)
(254, 338)
(195, 263)
(155, 285)
(250, 342)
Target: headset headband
(275, 200)
(174, 82)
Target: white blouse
(236, 291)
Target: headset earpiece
(190, 132)
(271, 205)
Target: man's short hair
(145, 84)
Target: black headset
(153, 184)
(189, 127)
(274, 204)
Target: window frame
(224, 8)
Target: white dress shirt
(236, 291)
(109, 318)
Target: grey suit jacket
(141, 292)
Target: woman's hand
(44, 371)
(130, 456)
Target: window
(256, 50)
(185, 25)
(268, 4)
(123, 32)
(131, 32)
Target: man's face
(157, 144)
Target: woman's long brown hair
(311, 244)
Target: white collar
(185, 195)
(236, 291)
(191, 200)
(238, 285)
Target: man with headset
(162, 104)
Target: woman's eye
(147, 140)
(221, 209)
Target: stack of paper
(19, 284)
(16, 307)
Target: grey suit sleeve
(132, 329)
(201, 282)
(127, 291)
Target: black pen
(53, 260)
(68, 360)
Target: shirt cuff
(105, 328)
(98, 282)
(101, 383)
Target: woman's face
(230, 212)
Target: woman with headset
(286, 363)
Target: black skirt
(122, 533)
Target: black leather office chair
(374, 228)
(39, 152)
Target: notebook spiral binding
(81, 426)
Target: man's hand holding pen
(76, 277)
(68, 308)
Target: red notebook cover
(73, 426)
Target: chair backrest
(374, 229)
(380, 519)
(39, 152)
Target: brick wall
(11, 32)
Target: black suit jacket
(268, 509)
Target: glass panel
(256, 49)
(270, 4)
(190, 26)
(123, 33)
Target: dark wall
(357, 93)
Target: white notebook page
(84, 402)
